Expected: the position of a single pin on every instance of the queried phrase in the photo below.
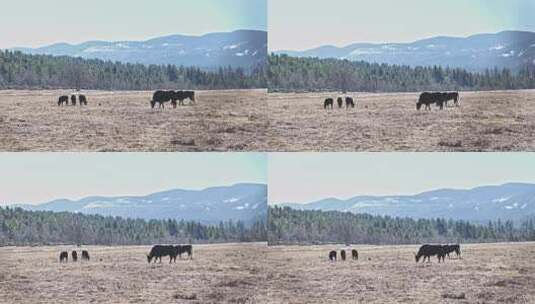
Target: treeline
(292, 74)
(289, 226)
(23, 71)
(22, 227)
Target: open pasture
(226, 273)
(234, 120)
(487, 273)
(485, 121)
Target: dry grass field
(124, 121)
(254, 273)
(487, 273)
(228, 273)
(486, 121)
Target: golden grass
(255, 273)
(486, 121)
(123, 121)
(226, 273)
(487, 273)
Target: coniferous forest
(283, 74)
(292, 74)
(290, 226)
(20, 227)
(22, 71)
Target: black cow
(343, 255)
(453, 248)
(159, 251)
(332, 256)
(355, 254)
(85, 255)
(184, 249)
(74, 255)
(428, 99)
(340, 102)
(350, 102)
(451, 96)
(63, 256)
(73, 100)
(329, 102)
(183, 95)
(83, 100)
(63, 100)
(162, 97)
(429, 250)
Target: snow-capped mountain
(508, 49)
(514, 201)
(245, 202)
(243, 48)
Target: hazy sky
(40, 177)
(34, 23)
(304, 24)
(306, 177)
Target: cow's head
(417, 257)
(152, 103)
(149, 258)
(418, 106)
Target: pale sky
(305, 24)
(307, 177)
(32, 23)
(40, 177)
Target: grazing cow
(340, 102)
(329, 102)
(453, 248)
(159, 251)
(184, 249)
(162, 97)
(429, 250)
(63, 100)
(428, 99)
(355, 254)
(451, 96)
(73, 100)
(63, 256)
(332, 256)
(349, 102)
(85, 255)
(83, 100)
(343, 255)
(181, 96)
(74, 255)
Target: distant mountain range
(508, 49)
(513, 201)
(243, 48)
(245, 202)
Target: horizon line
(341, 46)
(152, 37)
(134, 196)
(405, 195)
